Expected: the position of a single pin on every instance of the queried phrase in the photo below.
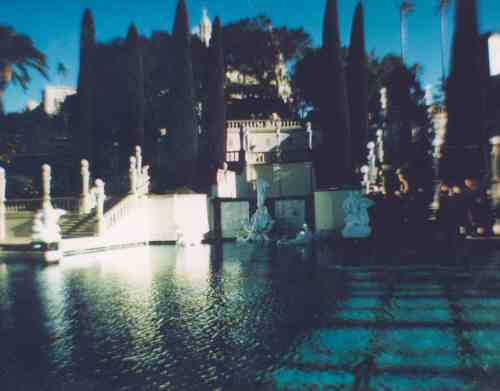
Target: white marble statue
(304, 237)
(46, 227)
(357, 221)
(261, 223)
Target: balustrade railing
(92, 202)
(122, 209)
(232, 156)
(261, 124)
(69, 204)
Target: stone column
(46, 178)
(366, 181)
(100, 206)
(372, 163)
(138, 158)
(85, 195)
(278, 136)
(495, 181)
(3, 187)
(436, 157)
(380, 146)
(132, 173)
(145, 175)
(309, 135)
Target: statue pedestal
(46, 233)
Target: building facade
(54, 96)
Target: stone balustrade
(89, 199)
(262, 124)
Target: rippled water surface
(204, 318)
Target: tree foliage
(253, 48)
(357, 82)
(216, 105)
(334, 164)
(84, 118)
(18, 56)
(184, 130)
(465, 135)
(135, 92)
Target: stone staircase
(77, 226)
(74, 225)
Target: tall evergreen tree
(184, 132)
(216, 104)
(399, 82)
(84, 121)
(465, 135)
(135, 92)
(357, 82)
(334, 163)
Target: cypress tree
(357, 82)
(85, 112)
(465, 135)
(216, 103)
(398, 136)
(334, 165)
(184, 133)
(135, 92)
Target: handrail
(122, 209)
(33, 204)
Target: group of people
(464, 210)
(402, 209)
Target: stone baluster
(495, 181)
(3, 188)
(100, 195)
(132, 172)
(85, 202)
(46, 179)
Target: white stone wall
(169, 213)
(54, 96)
(328, 212)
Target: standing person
(477, 211)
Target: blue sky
(54, 26)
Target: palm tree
(62, 71)
(443, 7)
(17, 56)
(406, 7)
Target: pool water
(240, 316)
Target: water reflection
(220, 317)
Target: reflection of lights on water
(193, 263)
(133, 265)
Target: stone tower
(205, 28)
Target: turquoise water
(208, 318)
